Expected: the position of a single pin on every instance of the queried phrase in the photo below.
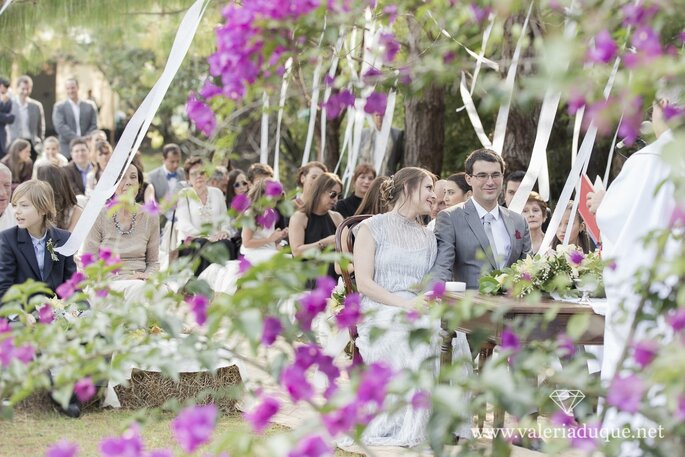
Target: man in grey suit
(479, 235)
(393, 150)
(73, 118)
(169, 178)
(29, 118)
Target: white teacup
(455, 286)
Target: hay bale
(41, 401)
(151, 389)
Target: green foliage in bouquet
(558, 273)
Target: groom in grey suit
(73, 118)
(479, 235)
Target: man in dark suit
(479, 235)
(6, 116)
(29, 119)
(73, 117)
(80, 165)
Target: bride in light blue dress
(393, 252)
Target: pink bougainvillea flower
(243, 265)
(201, 115)
(25, 353)
(87, 259)
(677, 217)
(4, 325)
(390, 46)
(629, 129)
(311, 304)
(575, 101)
(198, 305)
(267, 219)
(413, 315)
(295, 382)
(327, 367)
(259, 417)
(567, 348)
(62, 448)
(480, 14)
(112, 202)
(6, 352)
(128, 444)
(561, 419)
(645, 351)
(273, 188)
(341, 420)
(626, 393)
(680, 408)
(105, 253)
(576, 257)
(371, 76)
(374, 383)
(585, 437)
(604, 49)
(329, 80)
(240, 203)
(65, 290)
(646, 41)
(194, 426)
(437, 291)
(671, 112)
(84, 389)
(526, 276)
(636, 14)
(151, 207)
(326, 284)
(159, 453)
(676, 319)
(311, 446)
(510, 340)
(421, 400)
(272, 328)
(46, 314)
(376, 103)
(391, 12)
(209, 90)
(336, 103)
(306, 355)
(102, 293)
(351, 313)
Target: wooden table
(501, 311)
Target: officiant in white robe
(637, 202)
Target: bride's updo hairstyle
(405, 182)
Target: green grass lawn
(30, 434)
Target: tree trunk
(332, 142)
(424, 116)
(520, 137)
(424, 119)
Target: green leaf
(577, 325)
(489, 286)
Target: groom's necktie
(488, 219)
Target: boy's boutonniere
(51, 249)
(517, 235)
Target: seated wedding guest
(393, 253)
(197, 206)
(438, 204)
(314, 226)
(92, 139)
(259, 171)
(579, 236)
(166, 178)
(148, 189)
(68, 210)
(79, 167)
(363, 175)
(511, 185)
(103, 152)
(27, 250)
(50, 155)
(457, 190)
(18, 160)
(306, 177)
(6, 213)
(131, 233)
(535, 213)
(237, 184)
(219, 179)
(261, 244)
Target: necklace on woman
(118, 228)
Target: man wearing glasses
(479, 235)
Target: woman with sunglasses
(314, 226)
(103, 152)
(237, 185)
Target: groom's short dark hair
(487, 155)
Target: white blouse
(191, 214)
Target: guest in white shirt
(6, 213)
(201, 215)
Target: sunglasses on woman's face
(333, 195)
(239, 184)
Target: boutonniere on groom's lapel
(50, 245)
(517, 235)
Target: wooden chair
(348, 279)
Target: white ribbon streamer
(479, 60)
(5, 6)
(264, 142)
(611, 153)
(473, 114)
(384, 136)
(312, 112)
(135, 130)
(576, 133)
(347, 138)
(503, 114)
(281, 106)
